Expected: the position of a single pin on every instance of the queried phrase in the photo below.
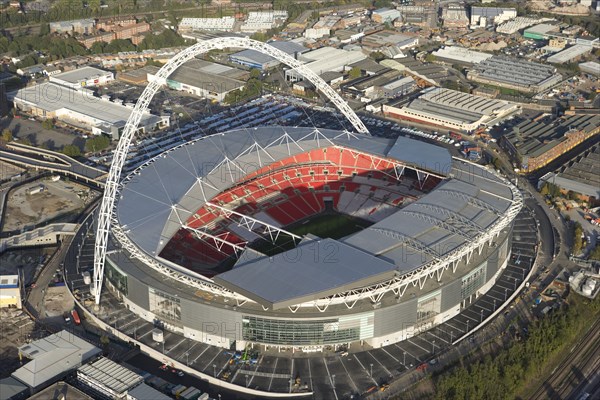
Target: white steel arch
(120, 155)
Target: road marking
(173, 348)
(386, 352)
(424, 349)
(200, 355)
(349, 376)
(379, 362)
(407, 352)
(330, 380)
(271, 381)
(211, 361)
(310, 374)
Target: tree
(544, 190)
(354, 73)
(48, 124)
(430, 58)
(254, 73)
(71, 150)
(377, 56)
(97, 143)
(595, 254)
(7, 135)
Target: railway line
(571, 376)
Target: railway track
(565, 381)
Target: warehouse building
(261, 21)
(517, 24)
(381, 39)
(369, 87)
(256, 59)
(581, 175)
(540, 31)
(108, 379)
(205, 79)
(590, 67)
(80, 26)
(80, 108)
(385, 15)
(52, 358)
(460, 55)
(570, 54)
(536, 143)
(10, 291)
(489, 16)
(521, 75)
(83, 77)
(323, 60)
(424, 73)
(455, 16)
(453, 110)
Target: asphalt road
(35, 298)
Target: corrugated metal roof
(110, 375)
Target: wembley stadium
(302, 238)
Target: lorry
(455, 136)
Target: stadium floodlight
(141, 107)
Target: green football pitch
(328, 225)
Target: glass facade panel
(116, 277)
(429, 306)
(164, 305)
(473, 281)
(301, 333)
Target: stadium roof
(157, 200)
(314, 269)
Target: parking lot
(329, 376)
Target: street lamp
(451, 336)
(505, 293)
(404, 363)
(333, 380)
(481, 314)
(215, 370)
(433, 346)
(495, 300)
(467, 325)
(246, 375)
(371, 370)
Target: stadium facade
(438, 237)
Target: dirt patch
(45, 201)
(57, 300)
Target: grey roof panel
(421, 154)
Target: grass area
(328, 225)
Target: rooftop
(61, 391)
(110, 375)
(461, 54)
(53, 356)
(81, 74)
(534, 138)
(9, 281)
(570, 53)
(514, 71)
(260, 58)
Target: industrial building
(12, 389)
(83, 77)
(261, 21)
(517, 24)
(380, 39)
(145, 392)
(590, 67)
(10, 291)
(489, 16)
(453, 110)
(224, 24)
(570, 54)
(581, 175)
(385, 15)
(52, 358)
(323, 60)
(61, 391)
(536, 143)
(426, 73)
(205, 79)
(108, 379)
(82, 109)
(255, 59)
(460, 55)
(510, 73)
(541, 31)
(369, 87)
(455, 16)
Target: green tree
(71, 150)
(7, 135)
(595, 254)
(254, 73)
(354, 73)
(97, 143)
(48, 124)
(430, 58)
(377, 56)
(44, 29)
(544, 189)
